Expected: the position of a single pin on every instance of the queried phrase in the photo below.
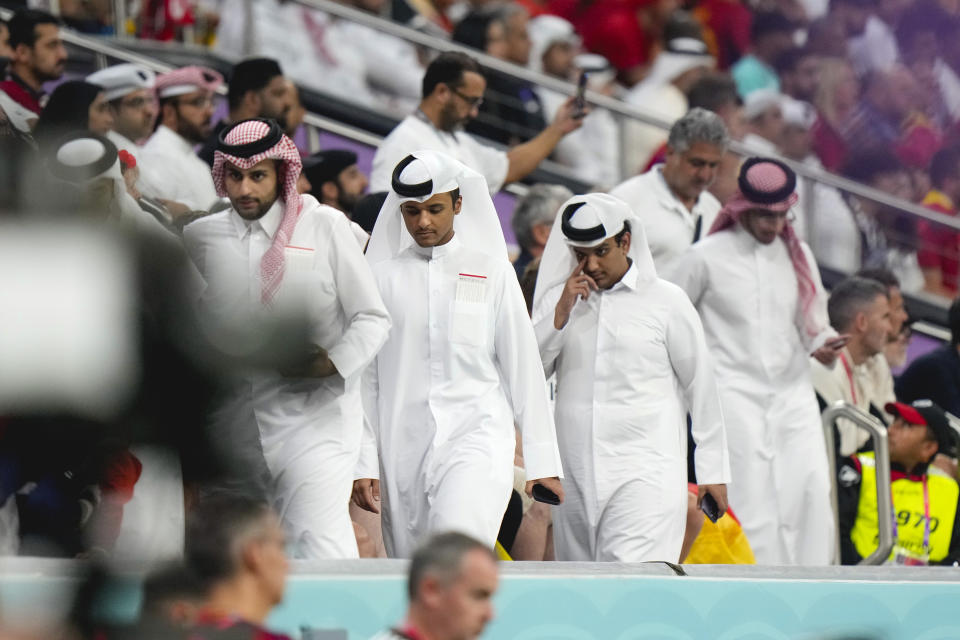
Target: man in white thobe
(671, 199)
(171, 169)
(631, 361)
(459, 369)
(453, 89)
(764, 310)
(276, 252)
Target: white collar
(432, 253)
(630, 279)
(668, 198)
(171, 137)
(269, 222)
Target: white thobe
(123, 143)
(172, 171)
(630, 363)
(669, 225)
(459, 369)
(746, 293)
(593, 150)
(309, 428)
(305, 41)
(861, 385)
(416, 133)
(875, 49)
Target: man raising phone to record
(758, 291)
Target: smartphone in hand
(710, 507)
(579, 101)
(544, 495)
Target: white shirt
(630, 363)
(123, 143)
(459, 369)
(857, 384)
(593, 150)
(392, 65)
(304, 41)
(173, 171)
(669, 225)
(325, 277)
(875, 49)
(415, 132)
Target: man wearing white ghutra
(459, 368)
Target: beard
(192, 132)
(449, 120)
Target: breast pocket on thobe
(469, 323)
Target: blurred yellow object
(722, 542)
(502, 554)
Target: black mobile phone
(580, 103)
(542, 494)
(710, 507)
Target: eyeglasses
(473, 101)
(135, 103)
(200, 102)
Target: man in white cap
(758, 291)
(174, 172)
(631, 361)
(796, 143)
(459, 369)
(664, 93)
(128, 88)
(594, 149)
(672, 199)
(763, 111)
(272, 252)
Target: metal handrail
(881, 447)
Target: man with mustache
(258, 89)
(671, 199)
(275, 254)
(186, 108)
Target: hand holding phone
(580, 103)
(542, 494)
(710, 508)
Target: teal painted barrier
(538, 601)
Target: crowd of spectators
(861, 88)
(829, 85)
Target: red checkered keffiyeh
(768, 184)
(246, 132)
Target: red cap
(906, 412)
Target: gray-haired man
(451, 584)
(533, 219)
(671, 199)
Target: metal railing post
(882, 457)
